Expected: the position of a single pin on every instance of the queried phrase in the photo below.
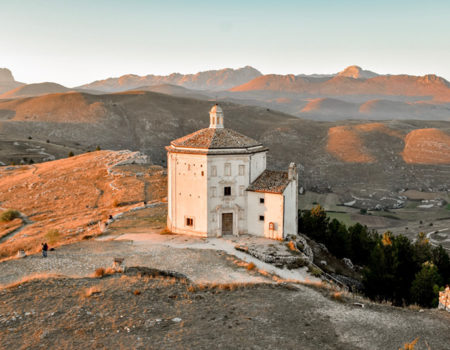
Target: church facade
(218, 185)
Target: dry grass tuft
(220, 286)
(100, 272)
(110, 271)
(166, 231)
(92, 291)
(250, 266)
(30, 278)
(410, 346)
(337, 296)
(291, 246)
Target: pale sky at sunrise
(76, 42)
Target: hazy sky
(75, 42)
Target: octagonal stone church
(218, 185)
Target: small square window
(261, 200)
(227, 191)
(261, 218)
(203, 173)
(189, 222)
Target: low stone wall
(444, 299)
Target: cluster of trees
(394, 268)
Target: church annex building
(218, 185)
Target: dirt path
(436, 243)
(83, 258)
(25, 222)
(225, 244)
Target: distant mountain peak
(357, 72)
(222, 79)
(6, 75)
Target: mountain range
(353, 93)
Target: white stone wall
(187, 196)
(271, 209)
(196, 191)
(223, 171)
(291, 208)
(258, 165)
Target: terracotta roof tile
(272, 181)
(215, 138)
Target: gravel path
(81, 259)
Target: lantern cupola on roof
(216, 117)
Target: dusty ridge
(76, 195)
(427, 146)
(34, 90)
(62, 108)
(347, 143)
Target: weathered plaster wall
(291, 208)
(258, 165)
(187, 197)
(271, 209)
(223, 171)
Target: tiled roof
(215, 138)
(272, 181)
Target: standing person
(44, 249)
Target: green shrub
(52, 236)
(70, 154)
(9, 215)
(316, 272)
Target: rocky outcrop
(7, 81)
(280, 255)
(6, 75)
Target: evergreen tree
(441, 260)
(425, 287)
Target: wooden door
(227, 223)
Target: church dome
(216, 138)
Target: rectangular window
(227, 191)
(261, 200)
(227, 169)
(213, 170)
(189, 222)
(213, 192)
(241, 169)
(261, 218)
(241, 190)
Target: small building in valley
(218, 185)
